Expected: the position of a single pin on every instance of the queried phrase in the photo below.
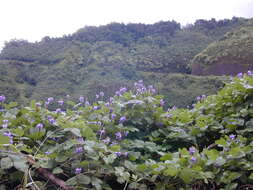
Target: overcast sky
(34, 19)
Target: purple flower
(113, 116)
(117, 93)
(97, 96)
(169, 115)
(126, 133)
(122, 119)
(78, 170)
(87, 103)
(162, 102)
(79, 150)
(80, 140)
(5, 121)
(95, 107)
(46, 103)
(123, 90)
(101, 132)
(125, 154)
(118, 135)
(111, 99)
(114, 143)
(101, 94)
(39, 126)
(239, 75)
(2, 98)
(192, 150)
(38, 104)
(107, 104)
(81, 99)
(193, 159)
(50, 99)
(47, 153)
(5, 125)
(118, 154)
(60, 102)
(11, 140)
(198, 98)
(232, 137)
(8, 134)
(58, 110)
(249, 73)
(51, 120)
(151, 89)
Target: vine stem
(125, 185)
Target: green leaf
(221, 142)
(83, 179)
(4, 139)
(251, 176)
(72, 181)
(228, 176)
(96, 182)
(6, 163)
(19, 162)
(11, 105)
(74, 131)
(186, 175)
(165, 157)
(110, 159)
(57, 170)
(18, 131)
(170, 171)
(88, 133)
(115, 148)
(212, 154)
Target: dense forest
(95, 59)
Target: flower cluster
(79, 150)
(5, 123)
(121, 91)
(240, 75)
(78, 170)
(201, 98)
(51, 120)
(118, 154)
(61, 102)
(2, 98)
(81, 99)
(39, 126)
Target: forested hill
(163, 46)
(95, 59)
(231, 54)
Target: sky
(33, 19)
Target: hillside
(230, 55)
(130, 141)
(22, 82)
(95, 59)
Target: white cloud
(33, 19)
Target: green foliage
(234, 48)
(104, 58)
(131, 142)
(61, 79)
